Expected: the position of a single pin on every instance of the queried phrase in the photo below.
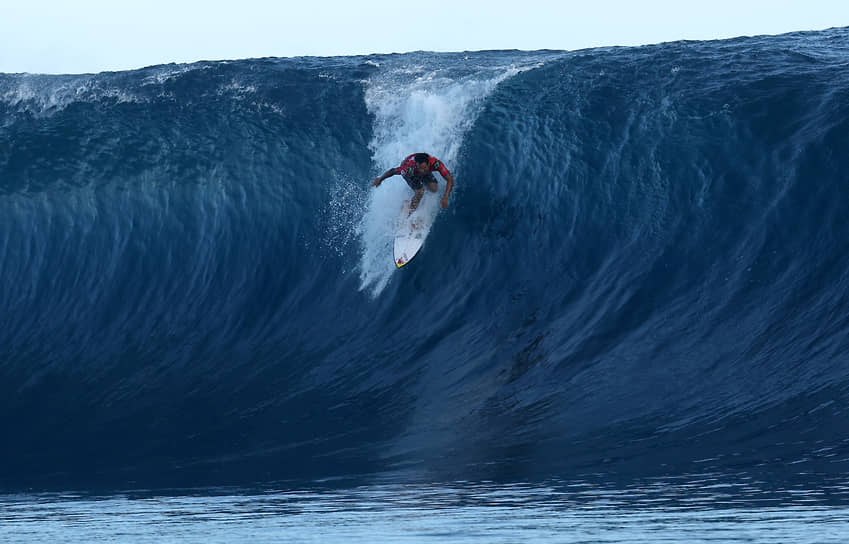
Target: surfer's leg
(414, 203)
(431, 183)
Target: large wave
(643, 269)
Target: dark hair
(422, 157)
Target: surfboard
(410, 234)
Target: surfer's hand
(377, 182)
(444, 202)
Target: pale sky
(53, 36)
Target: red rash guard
(408, 167)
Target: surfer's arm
(448, 187)
(388, 174)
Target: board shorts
(417, 182)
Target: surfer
(417, 170)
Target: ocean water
(642, 277)
(700, 509)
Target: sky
(82, 36)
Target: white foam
(236, 90)
(45, 95)
(168, 72)
(416, 110)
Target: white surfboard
(410, 234)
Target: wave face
(644, 268)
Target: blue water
(642, 277)
(668, 511)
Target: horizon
(95, 36)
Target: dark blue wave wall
(643, 271)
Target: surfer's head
(422, 163)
